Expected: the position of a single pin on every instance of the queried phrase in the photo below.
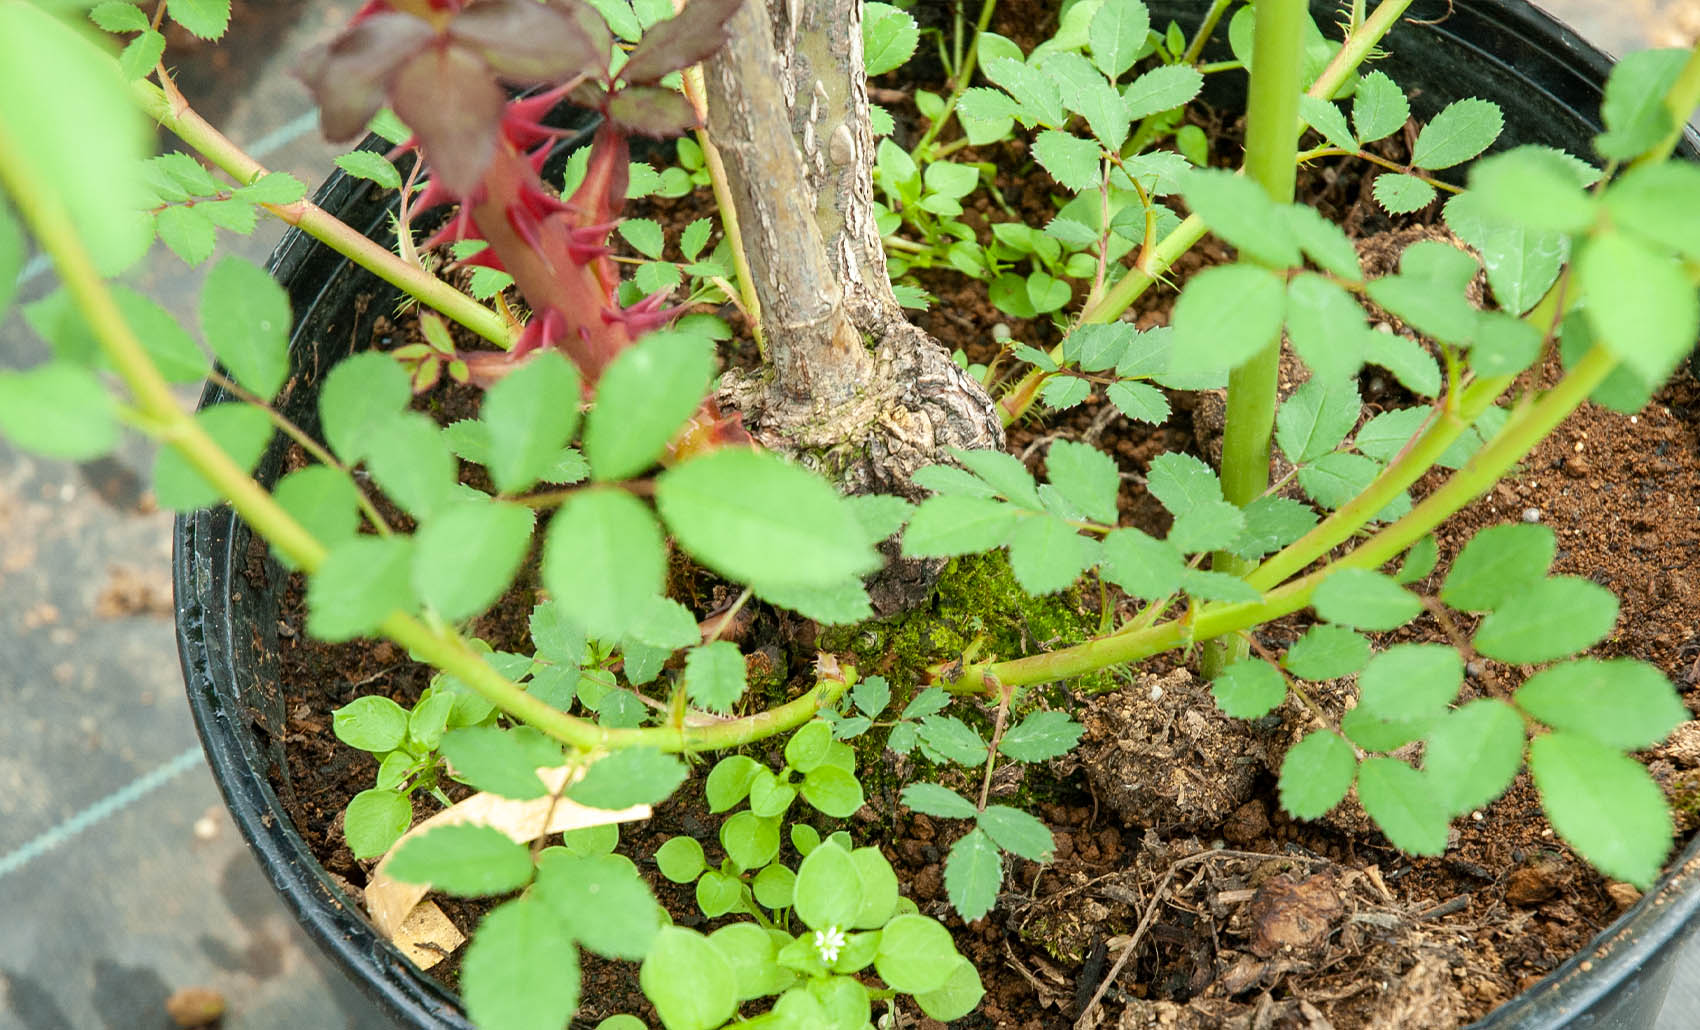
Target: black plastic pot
(1545, 78)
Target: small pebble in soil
(1531, 514)
(195, 1006)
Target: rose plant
(837, 480)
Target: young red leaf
(524, 41)
(347, 76)
(681, 41)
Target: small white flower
(827, 942)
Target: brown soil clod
(1160, 753)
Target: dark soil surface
(1174, 864)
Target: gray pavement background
(121, 877)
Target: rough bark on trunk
(854, 389)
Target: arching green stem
(1525, 429)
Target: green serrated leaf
(1204, 585)
(360, 582)
(1534, 187)
(411, 461)
(324, 500)
(1323, 241)
(1419, 561)
(188, 231)
(206, 19)
(889, 37)
(360, 394)
(1017, 832)
(465, 860)
(1473, 753)
(240, 431)
(1329, 121)
(1547, 620)
(1209, 526)
(756, 518)
(467, 554)
(1249, 689)
(1037, 94)
(119, 16)
(1272, 523)
(531, 414)
(1327, 652)
(1647, 313)
(1409, 361)
(1003, 472)
(1498, 563)
(502, 981)
(1379, 109)
(645, 236)
(1634, 109)
(1401, 194)
(1365, 599)
(603, 560)
(1116, 35)
(141, 55)
(1604, 804)
(273, 188)
(1463, 129)
(1063, 392)
(973, 872)
(1385, 435)
(1620, 702)
(1073, 162)
(60, 410)
(952, 739)
(1041, 737)
(1521, 263)
(1139, 401)
(932, 799)
(1240, 212)
(1398, 798)
(1316, 418)
(1408, 682)
(1334, 479)
(642, 399)
(1316, 774)
(715, 675)
(493, 760)
(1182, 482)
(1144, 567)
(1046, 554)
(627, 777)
(368, 164)
(1325, 326)
(1226, 315)
(1163, 88)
